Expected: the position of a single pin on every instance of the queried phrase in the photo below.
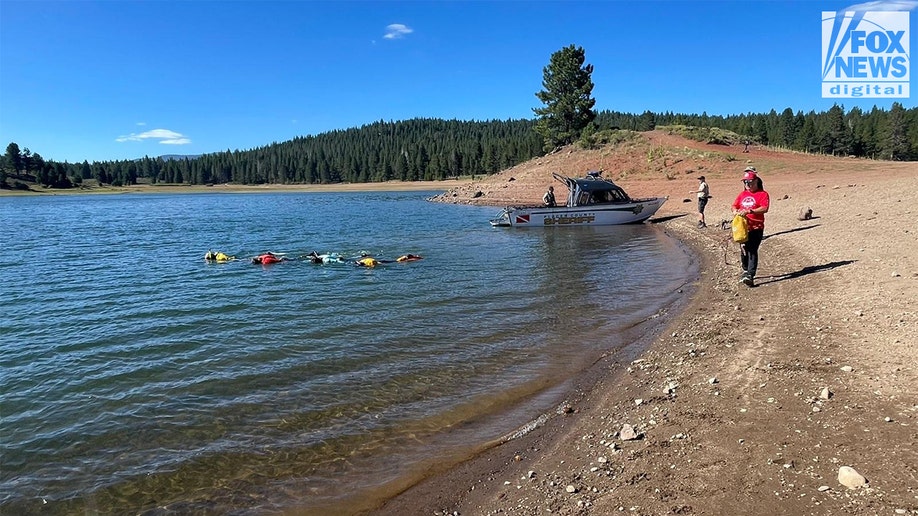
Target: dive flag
(522, 219)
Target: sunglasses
(748, 181)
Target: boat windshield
(603, 196)
(597, 191)
(593, 190)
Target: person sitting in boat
(549, 197)
(408, 258)
(269, 258)
(218, 256)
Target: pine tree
(895, 142)
(14, 157)
(838, 134)
(567, 97)
(806, 138)
(787, 131)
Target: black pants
(749, 252)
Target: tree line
(412, 150)
(435, 149)
(875, 134)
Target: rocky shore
(798, 396)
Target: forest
(434, 149)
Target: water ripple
(132, 370)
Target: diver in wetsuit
(269, 258)
(315, 257)
(218, 256)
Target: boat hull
(634, 212)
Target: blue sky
(105, 80)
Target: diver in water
(218, 257)
(269, 258)
(369, 261)
(315, 257)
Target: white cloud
(176, 141)
(397, 31)
(165, 137)
(884, 5)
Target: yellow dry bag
(740, 229)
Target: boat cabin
(592, 190)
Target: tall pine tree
(567, 96)
(895, 141)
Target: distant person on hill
(752, 203)
(703, 193)
(549, 197)
(746, 145)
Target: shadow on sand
(766, 237)
(658, 220)
(803, 272)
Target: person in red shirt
(751, 203)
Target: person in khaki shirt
(703, 195)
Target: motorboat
(591, 201)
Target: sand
(750, 400)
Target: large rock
(627, 433)
(848, 477)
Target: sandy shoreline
(750, 400)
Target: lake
(136, 376)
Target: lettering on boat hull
(569, 219)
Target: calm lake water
(135, 376)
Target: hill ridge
(650, 163)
